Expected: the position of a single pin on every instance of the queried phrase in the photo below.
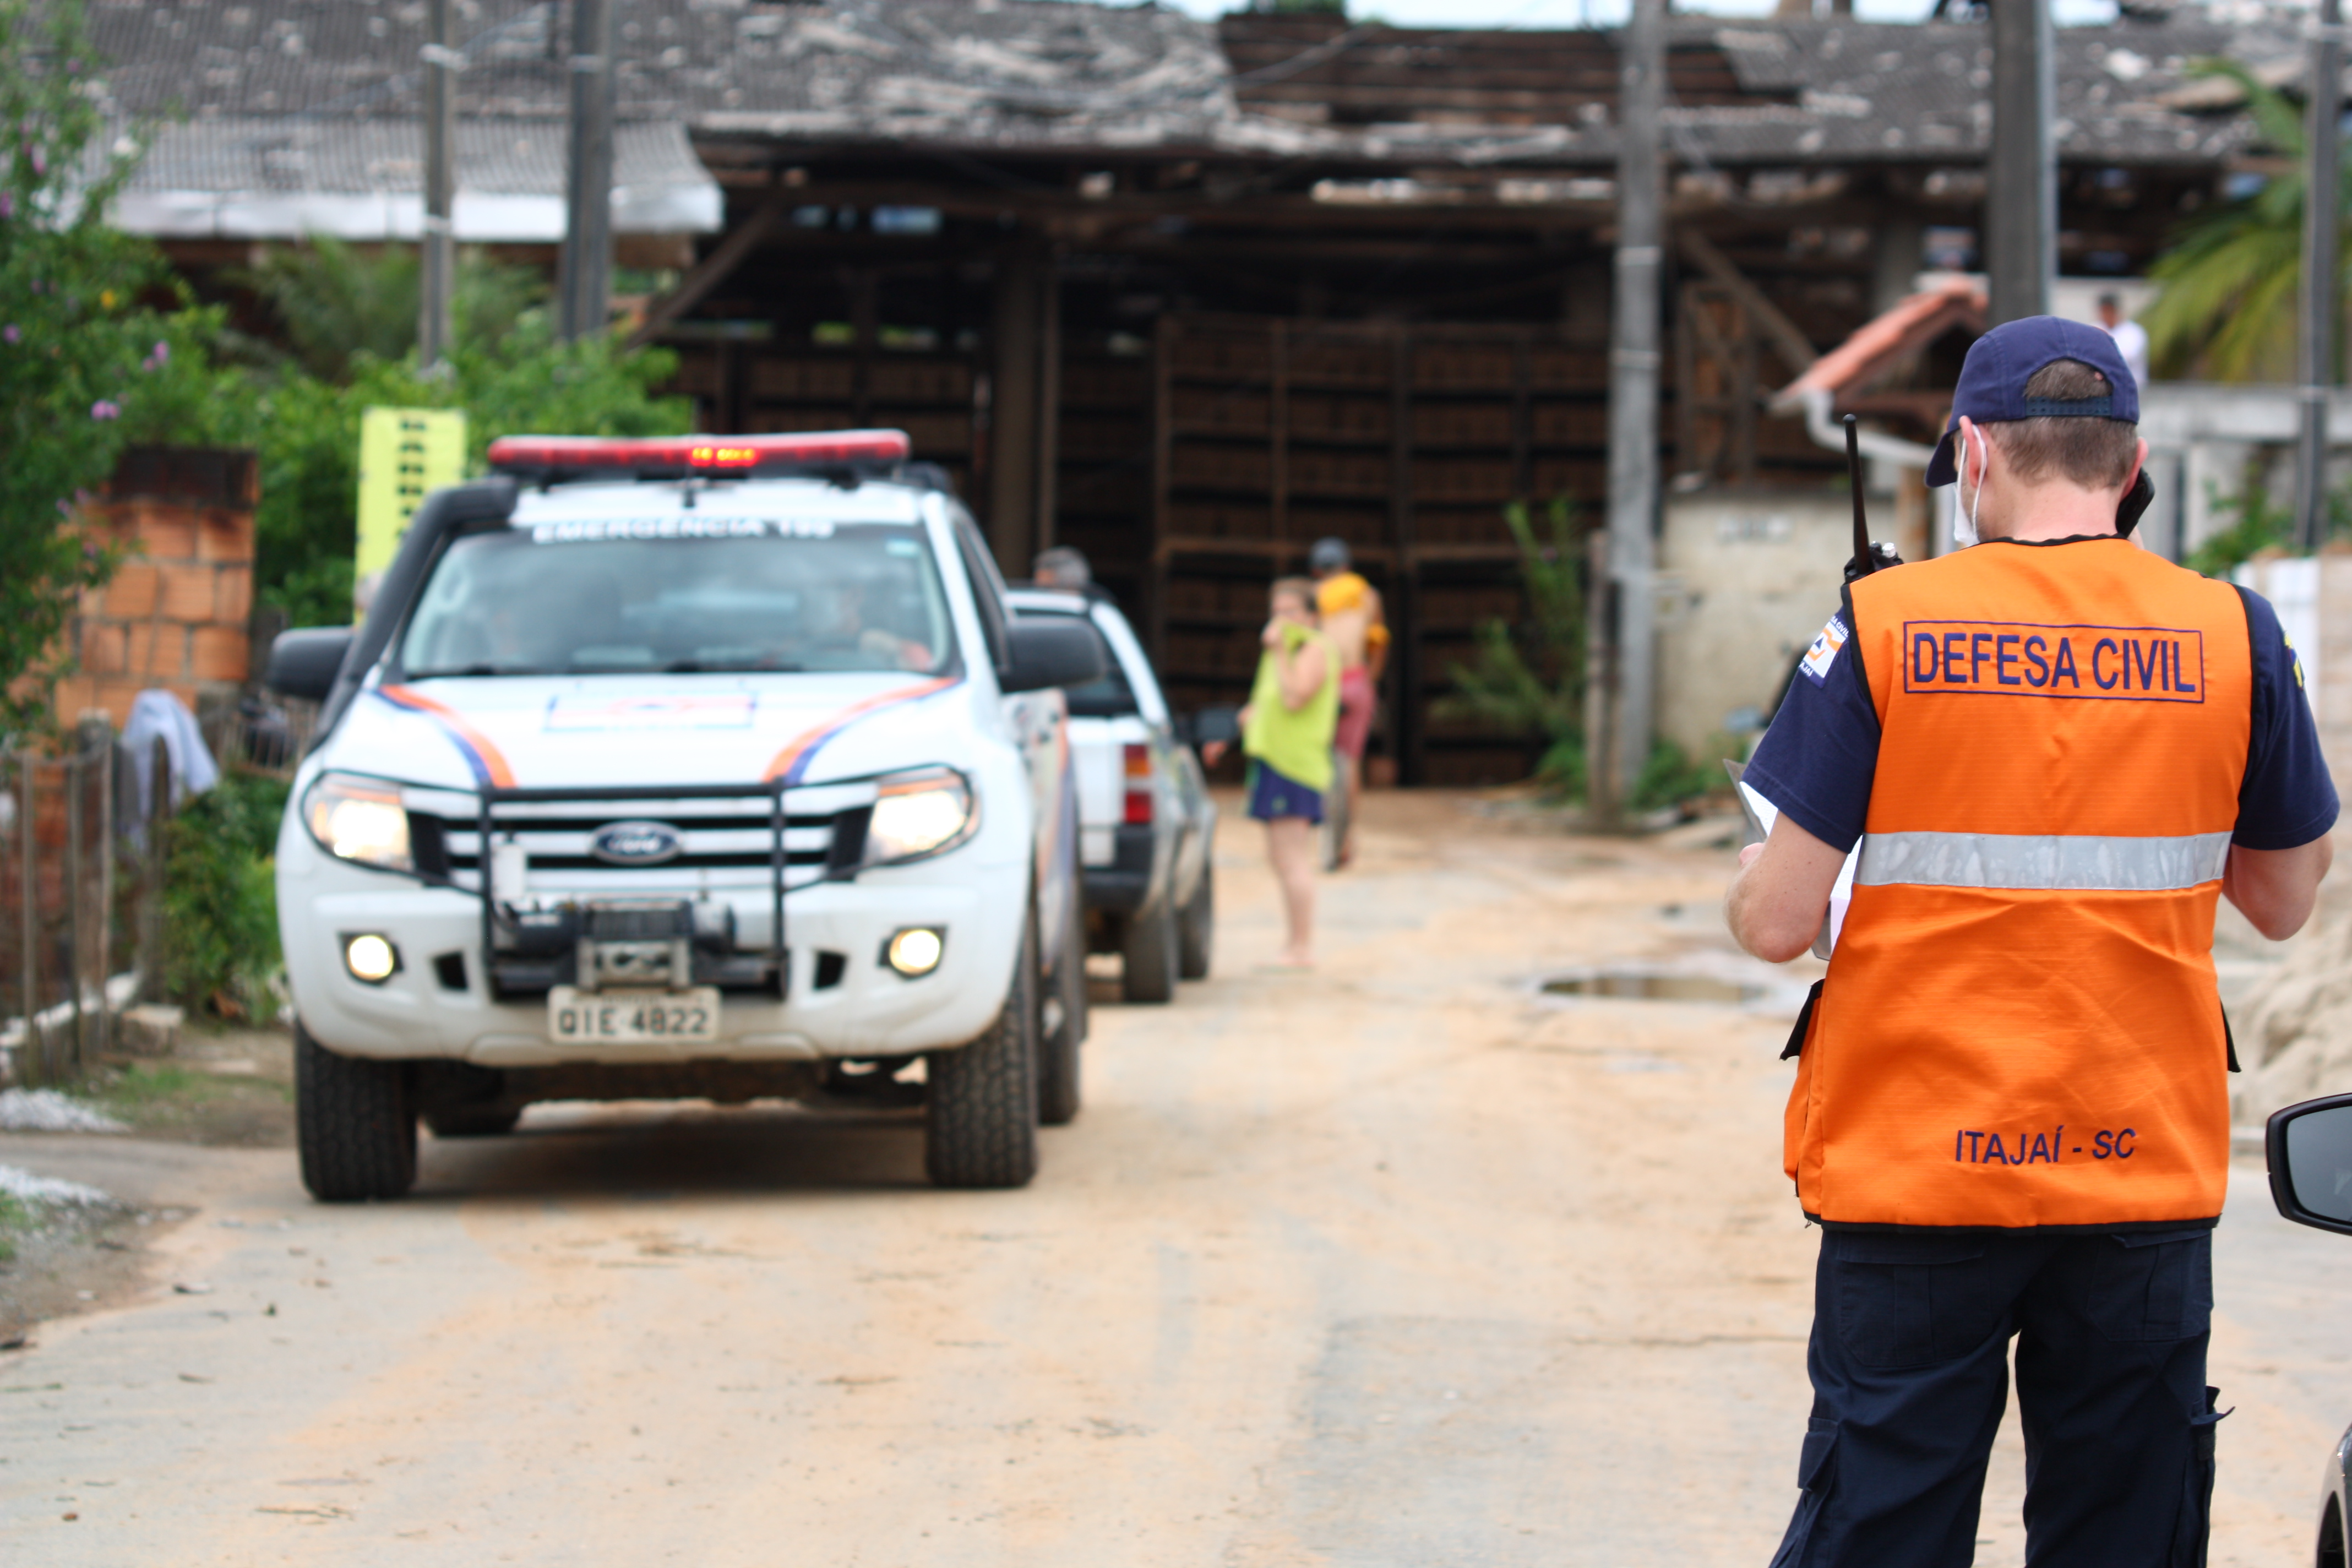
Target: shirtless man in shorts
(1354, 624)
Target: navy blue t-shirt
(1816, 760)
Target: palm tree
(2226, 306)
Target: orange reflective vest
(2020, 1026)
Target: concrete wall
(2313, 597)
(2205, 440)
(1745, 581)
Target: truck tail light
(1138, 785)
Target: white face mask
(1964, 523)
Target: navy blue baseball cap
(2000, 364)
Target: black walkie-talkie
(1867, 557)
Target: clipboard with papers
(1760, 814)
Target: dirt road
(1406, 1264)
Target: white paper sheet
(1762, 814)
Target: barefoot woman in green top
(1287, 732)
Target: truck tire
(474, 1122)
(1196, 932)
(1147, 973)
(982, 1128)
(1058, 1063)
(354, 1124)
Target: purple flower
(105, 409)
(9, 333)
(40, 162)
(7, 204)
(159, 359)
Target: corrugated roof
(265, 177)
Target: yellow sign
(406, 454)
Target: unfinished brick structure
(175, 613)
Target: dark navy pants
(1910, 1367)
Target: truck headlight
(359, 819)
(371, 958)
(915, 952)
(918, 813)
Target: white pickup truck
(701, 767)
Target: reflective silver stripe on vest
(2039, 862)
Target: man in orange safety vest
(2056, 752)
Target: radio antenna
(1865, 560)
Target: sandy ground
(1403, 1264)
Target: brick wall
(175, 613)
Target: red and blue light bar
(618, 457)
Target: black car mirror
(304, 663)
(2310, 1150)
(1212, 726)
(1052, 650)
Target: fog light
(915, 952)
(371, 958)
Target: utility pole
(2021, 196)
(432, 316)
(583, 275)
(2315, 349)
(1615, 766)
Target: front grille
(556, 913)
(718, 849)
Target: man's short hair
(2092, 452)
(1301, 588)
(1062, 567)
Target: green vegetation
(1529, 679)
(350, 319)
(2226, 311)
(143, 1091)
(141, 1086)
(80, 337)
(99, 346)
(336, 305)
(17, 1217)
(1670, 777)
(219, 902)
(2261, 524)
(308, 438)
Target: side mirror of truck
(1210, 727)
(2310, 1148)
(303, 663)
(1052, 650)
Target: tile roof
(1040, 75)
(1751, 92)
(1887, 340)
(993, 72)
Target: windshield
(608, 597)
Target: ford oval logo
(635, 844)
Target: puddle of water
(1627, 985)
